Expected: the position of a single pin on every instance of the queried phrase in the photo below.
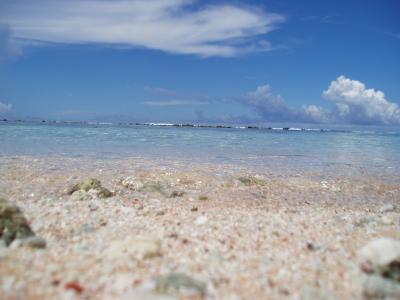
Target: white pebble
(201, 220)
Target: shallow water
(370, 153)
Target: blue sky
(201, 61)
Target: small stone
(34, 242)
(377, 287)
(178, 284)
(203, 198)
(381, 257)
(13, 224)
(387, 208)
(81, 195)
(85, 185)
(129, 183)
(102, 192)
(55, 282)
(90, 185)
(252, 180)
(75, 286)
(194, 209)
(311, 247)
(175, 194)
(15, 244)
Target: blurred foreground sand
(244, 235)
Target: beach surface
(228, 231)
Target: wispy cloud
(75, 112)
(159, 91)
(8, 47)
(393, 35)
(354, 104)
(5, 107)
(175, 103)
(175, 26)
(332, 18)
(164, 97)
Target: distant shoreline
(177, 125)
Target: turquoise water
(375, 152)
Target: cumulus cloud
(175, 26)
(269, 105)
(357, 104)
(5, 107)
(273, 108)
(316, 114)
(354, 104)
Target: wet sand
(245, 235)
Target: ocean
(372, 152)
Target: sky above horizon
(232, 62)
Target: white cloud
(5, 107)
(354, 104)
(357, 104)
(316, 114)
(174, 26)
(271, 107)
(264, 99)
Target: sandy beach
(229, 233)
